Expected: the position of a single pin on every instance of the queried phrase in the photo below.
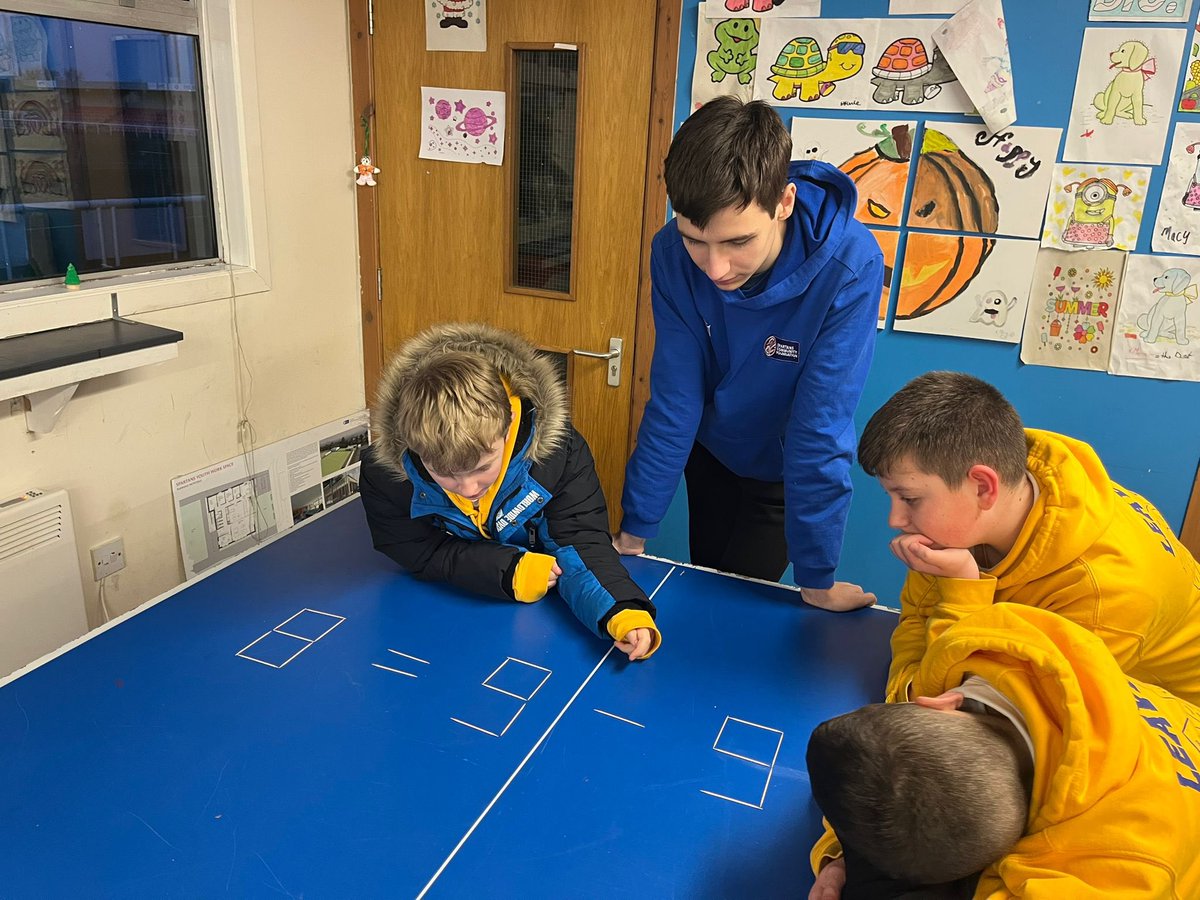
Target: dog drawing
(1125, 94)
(992, 308)
(1167, 318)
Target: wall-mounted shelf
(47, 366)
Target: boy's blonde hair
(945, 423)
(924, 796)
(450, 409)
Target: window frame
(235, 152)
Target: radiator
(41, 594)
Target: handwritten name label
(1010, 154)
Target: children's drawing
(952, 285)
(1189, 97)
(1123, 94)
(906, 72)
(456, 25)
(877, 155)
(971, 180)
(1095, 207)
(762, 8)
(1158, 320)
(889, 243)
(975, 41)
(869, 64)
(726, 54)
(1072, 309)
(462, 126)
(801, 71)
(1177, 226)
(1140, 10)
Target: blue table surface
(204, 747)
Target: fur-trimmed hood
(530, 376)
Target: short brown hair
(727, 155)
(922, 795)
(450, 409)
(946, 422)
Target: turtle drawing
(906, 71)
(737, 39)
(800, 68)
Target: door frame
(654, 206)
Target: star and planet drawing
(463, 128)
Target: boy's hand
(636, 643)
(555, 571)
(629, 544)
(830, 881)
(921, 554)
(842, 597)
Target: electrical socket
(108, 558)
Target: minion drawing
(1091, 223)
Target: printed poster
(228, 507)
(1177, 225)
(965, 286)
(1124, 94)
(888, 66)
(726, 56)
(1157, 331)
(970, 180)
(1095, 207)
(889, 243)
(766, 9)
(456, 25)
(1140, 10)
(462, 126)
(1072, 309)
(976, 44)
(876, 154)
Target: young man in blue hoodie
(765, 297)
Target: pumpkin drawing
(881, 174)
(937, 268)
(951, 193)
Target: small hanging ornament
(366, 172)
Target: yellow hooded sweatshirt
(1115, 809)
(1090, 550)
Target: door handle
(615, 348)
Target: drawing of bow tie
(1147, 69)
(1191, 292)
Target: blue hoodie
(768, 383)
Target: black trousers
(735, 524)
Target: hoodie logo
(778, 348)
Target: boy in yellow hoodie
(1030, 766)
(990, 512)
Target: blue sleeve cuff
(639, 528)
(812, 578)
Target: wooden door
(448, 233)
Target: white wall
(124, 437)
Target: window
(104, 158)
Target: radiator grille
(32, 532)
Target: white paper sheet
(1177, 225)
(875, 153)
(462, 126)
(1095, 207)
(1072, 309)
(924, 7)
(726, 56)
(456, 25)
(878, 65)
(1140, 10)
(973, 287)
(976, 44)
(1157, 332)
(970, 180)
(1124, 94)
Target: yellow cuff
(531, 577)
(627, 620)
(826, 850)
